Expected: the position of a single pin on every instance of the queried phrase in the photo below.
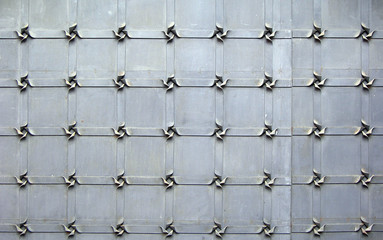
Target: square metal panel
(52, 162)
(195, 58)
(151, 154)
(96, 58)
(9, 107)
(196, 15)
(101, 15)
(95, 156)
(146, 14)
(145, 107)
(48, 107)
(243, 157)
(244, 14)
(48, 14)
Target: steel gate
(191, 119)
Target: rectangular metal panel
(204, 119)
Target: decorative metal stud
(365, 81)
(169, 229)
(119, 181)
(364, 227)
(23, 83)
(22, 228)
(120, 131)
(268, 81)
(71, 131)
(218, 230)
(22, 180)
(219, 131)
(219, 33)
(121, 33)
(219, 82)
(72, 33)
(267, 180)
(170, 131)
(169, 179)
(268, 131)
(365, 32)
(317, 81)
(317, 179)
(170, 32)
(267, 229)
(120, 82)
(218, 180)
(365, 129)
(71, 82)
(71, 180)
(269, 34)
(170, 82)
(365, 178)
(24, 33)
(318, 130)
(119, 229)
(70, 228)
(317, 33)
(23, 131)
(316, 228)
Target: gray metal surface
(191, 119)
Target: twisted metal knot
(72, 33)
(119, 229)
(268, 33)
(71, 180)
(70, 228)
(267, 229)
(365, 129)
(318, 130)
(219, 82)
(219, 131)
(121, 33)
(218, 180)
(24, 33)
(121, 81)
(218, 229)
(316, 228)
(120, 131)
(22, 228)
(317, 33)
(219, 33)
(365, 32)
(269, 131)
(169, 180)
(268, 82)
(23, 83)
(23, 131)
(71, 82)
(365, 81)
(317, 81)
(170, 131)
(22, 180)
(119, 181)
(170, 32)
(170, 82)
(169, 229)
(317, 179)
(364, 227)
(365, 178)
(71, 131)
(268, 181)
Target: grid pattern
(203, 119)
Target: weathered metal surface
(203, 119)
